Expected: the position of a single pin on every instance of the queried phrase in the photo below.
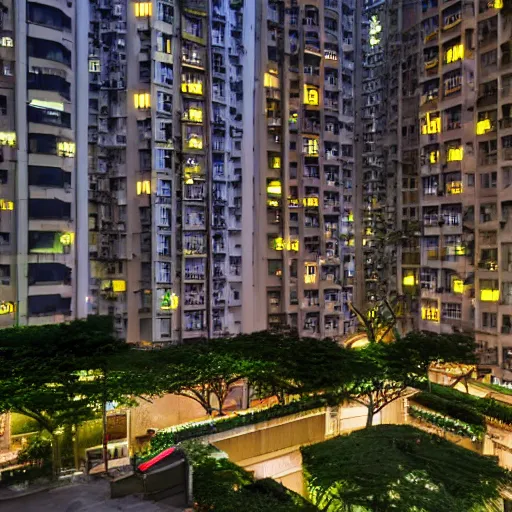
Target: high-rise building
(43, 162)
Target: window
(165, 327)
(164, 73)
(163, 272)
(489, 180)
(162, 158)
(164, 188)
(48, 16)
(3, 105)
(163, 130)
(163, 42)
(45, 80)
(164, 245)
(94, 66)
(142, 100)
(451, 311)
(49, 50)
(489, 320)
(143, 9)
(193, 26)
(165, 12)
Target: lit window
(170, 301)
(142, 100)
(143, 187)
(375, 30)
(94, 66)
(311, 202)
(191, 84)
(311, 96)
(66, 149)
(194, 114)
(430, 313)
(274, 188)
(311, 147)
(458, 286)
(143, 9)
(483, 126)
(118, 285)
(454, 187)
(431, 124)
(271, 81)
(275, 162)
(433, 157)
(7, 308)
(497, 4)
(7, 139)
(195, 142)
(6, 42)
(67, 238)
(455, 53)
(280, 244)
(455, 154)
(310, 273)
(409, 280)
(6, 205)
(489, 295)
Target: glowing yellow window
(66, 149)
(271, 81)
(274, 188)
(67, 238)
(455, 53)
(311, 147)
(311, 202)
(483, 126)
(431, 125)
(142, 100)
(6, 308)
(170, 301)
(457, 285)
(310, 273)
(7, 139)
(375, 30)
(311, 96)
(429, 313)
(195, 142)
(455, 154)
(195, 115)
(190, 87)
(455, 187)
(409, 280)
(143, 9)
(7, 42)
(118, 285)
(6, 205)
(498, 4)
(143, 187)
(275, 162)
(94, 66)
(433, 157)
(489, 295)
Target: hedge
(455, 410)
(27, 473)
(174, 435)
(486, 406)
(448, 424)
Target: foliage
(37, 450)
(28, 473)
(448, 424)
(22, 425)
(401, 469)
(456, 410)
(222, 486)
(171, 436)
(493, 387)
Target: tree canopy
(401, 469)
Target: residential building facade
(43, 153)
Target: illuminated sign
(375, 30)
(170, 301)
(7, 308)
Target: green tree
(393, 468)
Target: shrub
(38, 450)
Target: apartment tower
(43, 145)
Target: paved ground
(91, 497)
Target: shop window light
(6, 205)
(489, 295)
(271, 81)
(66, 149)
(7, 139)
(7, 308)
(94, 66)
(143, 9)
(483, 126)
(455, 154)
(143, 187)
(274, 188)
(431, 125)
(142, 100)
(170, 301)
(455, 53)
(311, 96)
(429, 313)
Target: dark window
(3, 105)
(46, 82)
(5, 275)
(48, 209)
(42, 176)
(50, 50)
(48, 273)
(49, 116)
(48, 16)
(42, 143)
(48, 305)
(4, 176)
